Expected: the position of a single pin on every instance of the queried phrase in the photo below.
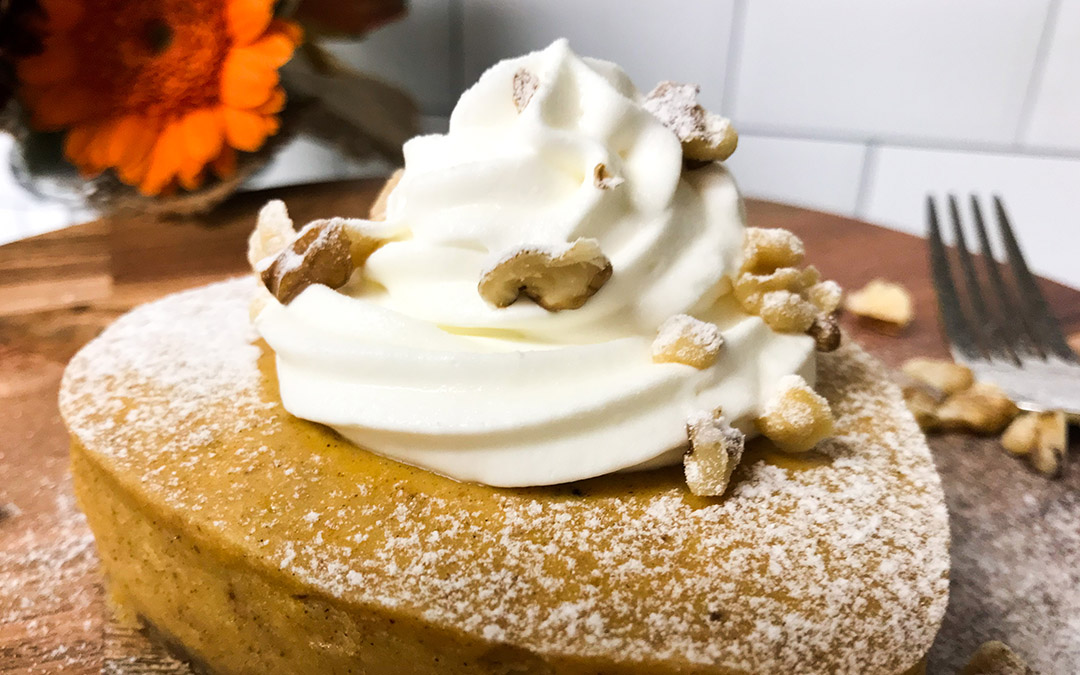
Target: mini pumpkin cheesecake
(552, 409)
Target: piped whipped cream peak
(412, 359)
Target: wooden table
(53, 614)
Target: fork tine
(1013, 332)
(982, 322)
(1049, 336)
(952, 314)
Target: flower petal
(224, 165)
(245, 130)
(77, 145)
(191, 173)
(100, 147)
(136, 150)
(166, 159)
(247, 19)
(246, 79)
(277, 45)
(203, 134)
(274, 104)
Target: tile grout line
(866, 178)
(945, 145)
(734, 53)
(1038, 71)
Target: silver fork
(1004, 333)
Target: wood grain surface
(59, 290)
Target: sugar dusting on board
(836, 565)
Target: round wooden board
(1016, 561)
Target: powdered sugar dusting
(836, 566)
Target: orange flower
(159, 90)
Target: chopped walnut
(995, 658)
(796, 418)
(378, 208)
(273, 232)
(750, 289)
(884, 301)
(1042, 437)
(604, 179)
(945, 376)
(1049, 453)
(715, 450)
(555, 280)
(1022, 434)
(923, 403)
(365, 236)
(320, 254)
(525, 85)
(704, 136)
(787, 312)
(766, 249)
(983, 408)
(684, 339)
(826, 333)
(825, 295)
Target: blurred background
(854, 107)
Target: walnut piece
(320, 254)
(787, 312)
(766, 249)
(1042, 437)
(604, 179)
(788, 299)
(554, 279)
(983, 408)
(273, 232)
(826, 332)
(704, 136)
(1022, 434)
(825, 295)
(378, 208)
(525, 85)
(923, 403)
(995, 658)
(884, 301)
(684, 339)
(796, 418)
(365, 236)
(1074, 342)
(750, 289)
(1049, 453)
(945, 376)
(715, 450)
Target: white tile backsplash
(1055, 113)
(852, 106)
(952, 70)
(1040, 194)
(684, 40)
(416, 53)
(822, 175)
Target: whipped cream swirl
(409, 361)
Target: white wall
(859, 107)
